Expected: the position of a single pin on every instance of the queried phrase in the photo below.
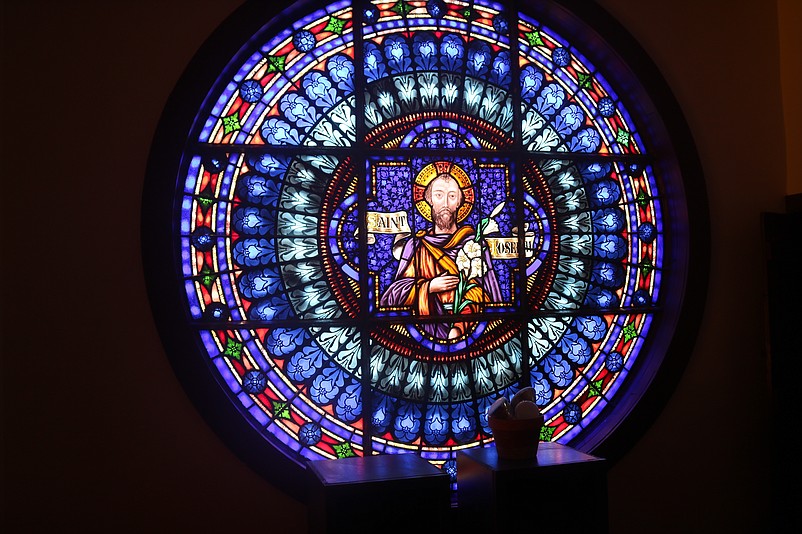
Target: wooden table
(563, 490)
(385, 493)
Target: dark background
(97, 432)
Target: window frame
(621, 56)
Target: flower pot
(516, 439)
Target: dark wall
(97, 432)
(703, 467)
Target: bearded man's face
(446, 198)
(444, 218)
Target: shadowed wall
(98, 433)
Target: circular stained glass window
(370, 220)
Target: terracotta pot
(516, 439)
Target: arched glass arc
(389, 214)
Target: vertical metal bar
(360, 164)
(517, 167)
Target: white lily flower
(492, 227)
(472, 249)
(478, 268)
(463, 262)
(497, 209)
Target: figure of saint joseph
(431, 263)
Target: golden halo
(432, 171)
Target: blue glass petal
(592, 327)
(611, 247)
(575, 348)
(594, 170)
(320, 89)
(269, 164)
(258, 189)
(500, 71)
(604, 193)
(304, 364)
(278, 132)
(254, 252)
(609, 275)
(463, 423)
(271, 309)
(349, 403)
(407, 423)
(396, 51)
(608, 220)
(254, 221)
(587, 140)
(284, 341)
(598, 297)
(452, 50)
(382, 413)
(326, 386)
(531, 82)
(557, 369)
(374, 62)
(479, 58)
(260, 284)
(550, 99)
(435, 426)
(341, 70)
(425, 49)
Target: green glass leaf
(335, 25)
(276, 63)
(642, 199)
(595, 388)
(208, 277)
(206, 202)
(231, 124)
(546, 433)
(534, 38)
(629, 332)
(622, 136)
(469, 13)
(233, 349)
(402, 8)
(344, 450)
(646, 267)
(585, 80)
(282, 410)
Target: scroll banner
(397, 222)
(506, 248)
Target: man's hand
(443, 282)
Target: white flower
(478, 268)
(469, 260)
(492, 227)
(463, 262)
(472, 249)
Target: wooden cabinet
(562, 490)
(386, 493)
